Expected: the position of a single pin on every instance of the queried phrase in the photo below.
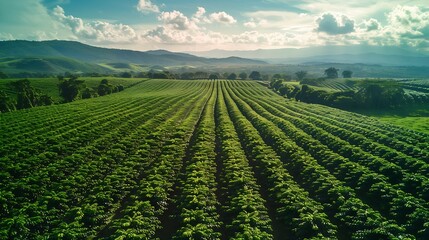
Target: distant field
(412, 117)
(50, 85)
(174, 159)
(420, 124)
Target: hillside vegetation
(49, 86)
(177, 159)
(96, 55)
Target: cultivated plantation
(182, 159)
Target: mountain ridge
(91, 54)
(384, 55)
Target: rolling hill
(382, 55)
(60, 56)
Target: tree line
(70, 90)
(373, 94)
(198, 75)
(26, 97)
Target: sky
(190, 25)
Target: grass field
(174, 159)
(411, 117)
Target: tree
(255, 75)
(187, 75)
(28, 97)
(331, 72)
(276, 84)
(201, 75)
(243, 76)
(347, 74)
(3, 75)
(70, 89)
(125, 75)
(380, 94)
(6, 104)
(120, 88)
(301, 74)
(89, 93)
(213, 76)
(105, 88)
(232, 76)
(277, 77)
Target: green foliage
(347, 74)
(27, 96)
(3, 75)
(255, 75)
(381, 94)
(160, 75)
(213, 76)
(331, 72)
(89, 93)
(243, 76)
(70, 89)
(209, 160)
(232, 76)
(126, 75)
(6, 103)
(300, 75)
(372, 94)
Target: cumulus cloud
(167, 35)
(29, 19)
(177, 28)
(333, 25)
(95, 30)
(371, 25)
(222, 17)
(200, 16)
(200, 12)
(255, 22)
(408, 25)
(147, 6)
(177, 20)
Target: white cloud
(273, 21)
(371, 25)
(222, 17)
(95, 30)
(167, 35)
(200, 12)
(200, 17)
(28, 19)
(147, 6)
(255, 22)
(333, 25)
(408, 25)
(177, 20)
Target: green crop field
(178, 159)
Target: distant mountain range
(57, 56)
(381, 55)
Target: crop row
(374, 192)
(141, 216)
(354, 216)
(301, 215)
(243, 209)
(91, 166)
(408, 175)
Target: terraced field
(174, 159)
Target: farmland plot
(209, 160)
